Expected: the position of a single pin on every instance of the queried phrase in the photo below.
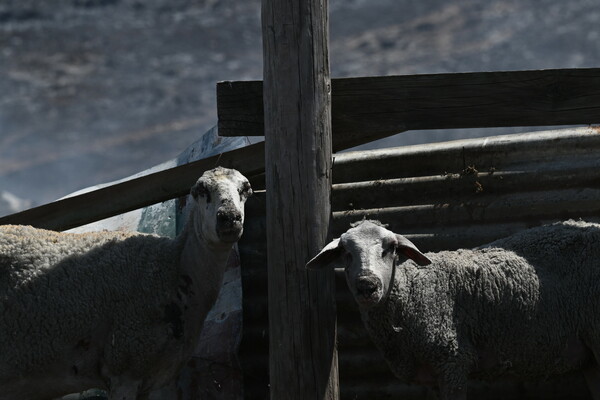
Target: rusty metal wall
(441, 196)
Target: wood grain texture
(487, 154)
(136, 193)
(302, 322)
(365, 109)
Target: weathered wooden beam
(459, 187)
(136, 193)
(530, 207)
(494, 153)
(302, 321)
(365, 109)
(451, 188)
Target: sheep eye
(246, 189)
(391, 248)
(200, 190)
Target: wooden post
(297, 109)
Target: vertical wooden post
(297, 107)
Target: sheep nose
(366, 286)
(228, 218)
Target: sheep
(524, 307)
(113, 310)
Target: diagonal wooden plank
(365, 109)
(136, 193)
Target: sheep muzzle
(230, 224)
(368, 290)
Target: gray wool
(67, 292)
(525, 306)
(112, 310)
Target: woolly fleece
(112, 310)
(59, 297)
(525, 306)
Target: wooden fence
(442, 196)
(363, 110)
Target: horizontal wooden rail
(365, 109)
(136, 193)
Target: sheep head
(220, 195)
(369, 253)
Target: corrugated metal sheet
(441, 196)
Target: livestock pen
(441, 196)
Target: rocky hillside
(94, 90)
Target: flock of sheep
(122, 312)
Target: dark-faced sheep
(527, 306)
(112, 310)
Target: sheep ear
(327, 257)
(408, 249)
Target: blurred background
(96, 90)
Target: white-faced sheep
(112, 310)
(527, 306)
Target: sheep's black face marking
(200, 190)
(245, 190)
(389, 248)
